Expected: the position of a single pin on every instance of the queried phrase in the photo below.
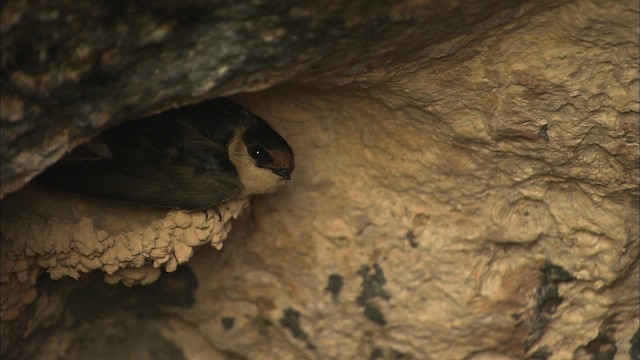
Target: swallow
(191, 158)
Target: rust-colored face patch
(282, 160)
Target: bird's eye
(260, 154)
(256, 150)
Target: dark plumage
(191, 158)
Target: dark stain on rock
(399, 355)
(411, 237)
(291, 321)
(602, 347)
(374, 314)
(376, 354)
(547, 301)
(262, 324)
(391, 354)
(544, 132)
(372, 284)
(372, 287)
(334, 286)
(634, 352)
(542, 353)
(227, 322)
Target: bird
(190, 158)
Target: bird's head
(263, 159)
(269, 150)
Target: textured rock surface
(476, 200)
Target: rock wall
(473, 199)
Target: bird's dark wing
(159, 162)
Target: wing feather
(162, 162)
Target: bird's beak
(282, 172)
